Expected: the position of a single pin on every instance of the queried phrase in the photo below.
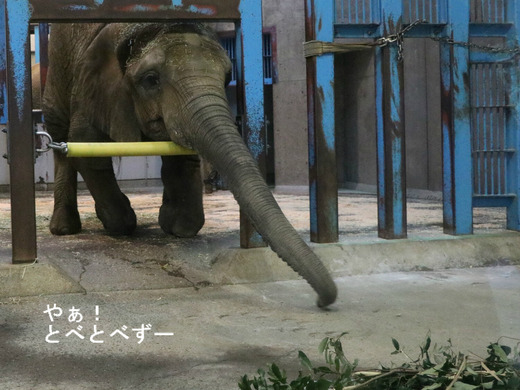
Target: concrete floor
(232, 311)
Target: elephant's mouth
(156, 130)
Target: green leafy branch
(436, 367)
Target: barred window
(229, 44)
(267, 52)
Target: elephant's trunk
(214, 135)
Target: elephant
(128, 82)
(36, 88)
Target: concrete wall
(423, 114)
(355, 117)
(289, 92)
(355, 113)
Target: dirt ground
(223, 328)
(357, 212)
(357, 222)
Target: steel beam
(3, 66)
(456, 131)
(133, 11)
(43, 40)
(513, 128)
(323, 183)
(391, 166)
(20, 130)
(250, 87)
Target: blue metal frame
(20, 130)
(513, 211)
(506, 193)
(445, 20)
(456, 131)
(3, 66)
(323, 190)
(391, 167)
(250, 81)
(348, 23)
(15, 65)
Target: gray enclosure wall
(355, 112)
(355, 117)
(289, 92)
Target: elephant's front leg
(112, 206)
(65, 217)
(182, 212)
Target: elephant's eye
(150, 81)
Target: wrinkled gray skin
(137, 82)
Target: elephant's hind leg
(65, 217)
(182, 212)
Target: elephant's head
(170, 84)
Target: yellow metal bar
(108, 149)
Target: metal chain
(399, 37)
(491, 49)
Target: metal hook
(51, 145)
(45, 135)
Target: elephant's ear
(124, 125)
(102, 91)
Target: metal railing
(479, 76)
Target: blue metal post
(456, 132)
(323, 186)
(43, 44)
(513, 128)
(390, 128)
(36, 45)
(251, 84)
(3, 65)
(21, 134)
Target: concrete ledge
(237, 266)
(234, 266)
(35, 279)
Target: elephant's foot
(64, 221)
(118, 218)
(183, 223)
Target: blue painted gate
(15, 81)
(479, 52)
